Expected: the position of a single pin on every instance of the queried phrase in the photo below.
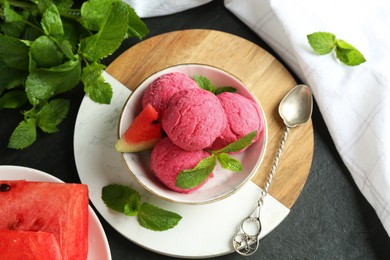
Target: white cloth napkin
(150, 8)
(354, 101)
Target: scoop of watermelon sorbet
(243, 117)
(161, 89)
(193, 119)
(167, 160)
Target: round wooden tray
(267, 78)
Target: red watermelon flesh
(28, 245)
(143, 132)
(57, 208)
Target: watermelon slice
(28, 245)
(57, 208)
(143, 132)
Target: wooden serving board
(267, 78)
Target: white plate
(98, 247)
(204, 231)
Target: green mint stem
(21, 4)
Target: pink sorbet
(167, 160)
(193, 119)
(161, 89)
(243, 117)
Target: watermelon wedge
(142, 134)
(28, 245)
(57, 208)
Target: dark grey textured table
(330, 220)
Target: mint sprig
(157, 219)
(325, 42)
(191, 178)
(48, 47)
(45, 117)
(206, 84)
(126, 200)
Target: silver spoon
(295, 109)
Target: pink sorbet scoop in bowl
(194, 122)
(167, 160)
(194, 118)
(162, 88)
(243, 116)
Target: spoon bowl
(297, 106)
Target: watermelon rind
(124, 147)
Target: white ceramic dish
(224, 183)
(98, 248)
(204, 231)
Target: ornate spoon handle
(246, 243)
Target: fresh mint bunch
(47, 48)
(325, 42)
(127, 201)
(188, 179)
(206, 84)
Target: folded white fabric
(354, 101)
(150, 8)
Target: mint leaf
(342, 45)
(239, 144)
(94, 12)
(322, 42)
(229, 163)
(121, 198)
(188, 179)
(136, 27)
(66, 48)
(204, 83)
(44, 83)
(14, 53)
(52, 114)
(24, 135)
(13, 99)
(110, 35)
(348, 54)
(14, 29)
(10, 78)
(157, 219)
(45, 44)
(224, 89)
(51, 21)
(10, 15)
(94, 84)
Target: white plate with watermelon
(98, 247)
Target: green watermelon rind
(125, 147)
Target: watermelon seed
(4, 187)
